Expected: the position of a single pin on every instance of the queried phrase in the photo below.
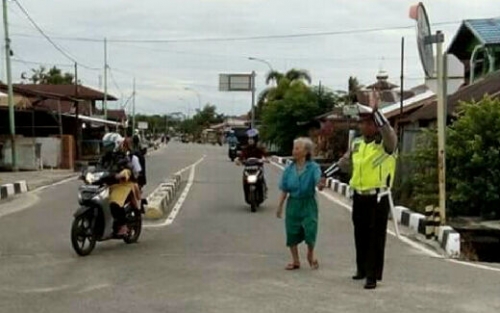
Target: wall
(50, 151)
(32, 153)
(28, 154)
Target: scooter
(253, 183)
(233, 152)
(93, 221)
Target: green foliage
(472, 164)
(419, 186)
(474, 160)
(200, 121)
(54, 76)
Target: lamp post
(188, 106)
(197, 94)
(262, 61)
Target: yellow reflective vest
(372, 166)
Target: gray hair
(308, 146)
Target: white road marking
(408, 241)
(178, 205)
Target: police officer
(371, 161)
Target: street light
(197, 94)
(262, 61)
(188, 106)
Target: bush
(472, 164)
(418, 183)
(474, 160)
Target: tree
(474, 160)
(282, 84)
(353, 87)
(472, 163)
(283, 116)
(54, 76)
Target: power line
(115, 83)
(248, 38)
(56, 46)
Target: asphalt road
(217, 257)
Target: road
(217, 257)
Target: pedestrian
(298, 186)
(371, 161)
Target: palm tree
(353, 88)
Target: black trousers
(370, 232)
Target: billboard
(235, 82)
(142, 125)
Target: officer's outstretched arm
(345, 163)
(389, 137)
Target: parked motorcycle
(93, 221)
(253, 183)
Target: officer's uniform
(372, 166)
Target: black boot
(359, 276)
(371, 283)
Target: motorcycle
(253, 183)
(93, 221)
(233, 152)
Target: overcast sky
(164, 69)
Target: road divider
(8, 190)
(161, 198)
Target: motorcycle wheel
(82, 233)
(135, 227)
(253, 202)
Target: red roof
(84, 93)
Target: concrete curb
(448, 238)
(160, 199)
(8, 190)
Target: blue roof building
(477, 45)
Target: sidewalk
(36, 179)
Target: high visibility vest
(372, 167)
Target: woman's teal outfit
(301, 217)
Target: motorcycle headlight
(252, 179)
(91, 178)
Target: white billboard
(235, 82)
(142, 125)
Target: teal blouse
(301, 185)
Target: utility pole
(441, 111)
(253, 99)
(105, 79)
(133, 108)
(10, 100)
(77, 115)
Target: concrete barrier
(8, 190)
(163, 196)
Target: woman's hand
(279, 213)
(322, 184)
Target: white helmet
(112, 141)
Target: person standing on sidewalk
(371, 161)
(298, 186)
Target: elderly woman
(298, 186)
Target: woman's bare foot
(292, 266)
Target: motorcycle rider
(123, 167)
(139, 153)
(231, 139)
(252, 150)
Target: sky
(163, 43)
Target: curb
(160, 199)
(448, 238)
(8, 190)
